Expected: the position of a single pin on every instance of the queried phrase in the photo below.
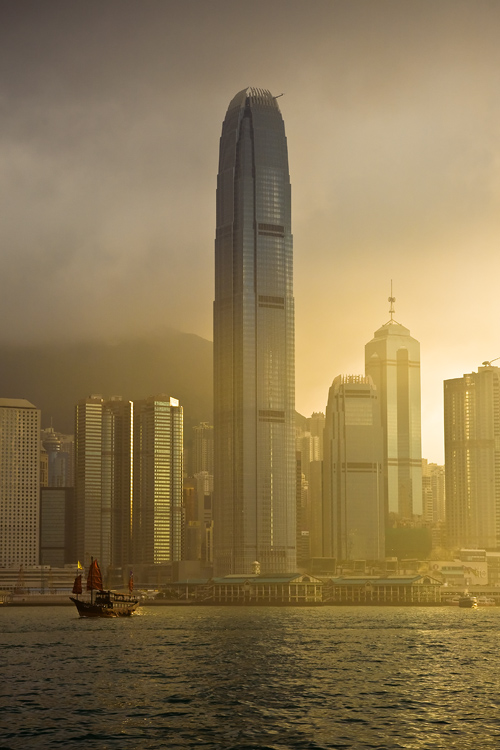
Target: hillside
(55, 376)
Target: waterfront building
(158, 481)
(254, 466)
(353, 497)
(19, 482)
(419, 589)
(36, 584)
(293, 589)
(472, 458)
(392, 360)
(103, 450)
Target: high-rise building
(60, 459)
(158, 480)
(310, 490)
(57, 526)
(103, 483)
(433, 492)
(392, 360)
(203, 449)
(19, 483)
(472, 459)
(254, 382)
(353, 500)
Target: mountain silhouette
(54, 377)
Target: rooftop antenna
(278, 96)
(488, 364)
(392, 300)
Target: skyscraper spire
(392, 301)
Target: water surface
(236, 677)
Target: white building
(19, 482)
(158, 480)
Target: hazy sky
(111, 114)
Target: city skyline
(105, 159)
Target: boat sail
(77, 586)
(102, 603)
(94, 578)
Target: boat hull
(87, 609)
(467, 602)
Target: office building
(309, 441)
(60, 457)
(103, 482)
(203, 449)
(158, 481)
(392, 360)
(353, 499)
(58, 526)
(433, 492)
(254, 474)
(472, 459)
(19, 482)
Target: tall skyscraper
(353, 500)
(392, 360)
(103, 482)
(254, 380)
(158, 480)
(19, 482)
(472, 458)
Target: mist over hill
(55, 376)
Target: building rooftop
(16, 403)
(394, 581)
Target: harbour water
(235, 677)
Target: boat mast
(91, 580)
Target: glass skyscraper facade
(353, 499)
(103, 480)
(392, 359)
(158, 480)
(254, 377)
(472, 459)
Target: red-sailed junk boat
(102, 603)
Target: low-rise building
(373, 590)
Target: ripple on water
(252, 678)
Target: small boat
(484, 601)
(467, 601)
(102, 603)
